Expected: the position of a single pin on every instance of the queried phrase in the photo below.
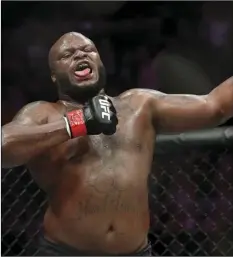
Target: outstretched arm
(178, 113)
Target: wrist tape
(75, 123)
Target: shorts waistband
(49, 248)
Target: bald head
(65, 57)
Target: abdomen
(104, 212)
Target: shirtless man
(92, 153)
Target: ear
(53, 77)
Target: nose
(80, 54)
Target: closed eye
(89, 49)
(66, 55)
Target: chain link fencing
(191, 201)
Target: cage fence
(191, 202)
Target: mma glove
(96, 117)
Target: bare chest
(130, 136)
(129, 149)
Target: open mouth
(83, 69)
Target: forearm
(20, 143)
(222, 98)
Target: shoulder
(36, 112)
(149, 99)
(143, 99)
(38, 106)
(142, 93)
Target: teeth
(83, 66)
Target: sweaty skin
(97, 185)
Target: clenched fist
(96, 117)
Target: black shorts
(48, 248)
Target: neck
(67, 98)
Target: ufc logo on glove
(104, 104)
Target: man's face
(76, 67)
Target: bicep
(28, 116)
(177, 113)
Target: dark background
(175, 47)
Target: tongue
(83, 73)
